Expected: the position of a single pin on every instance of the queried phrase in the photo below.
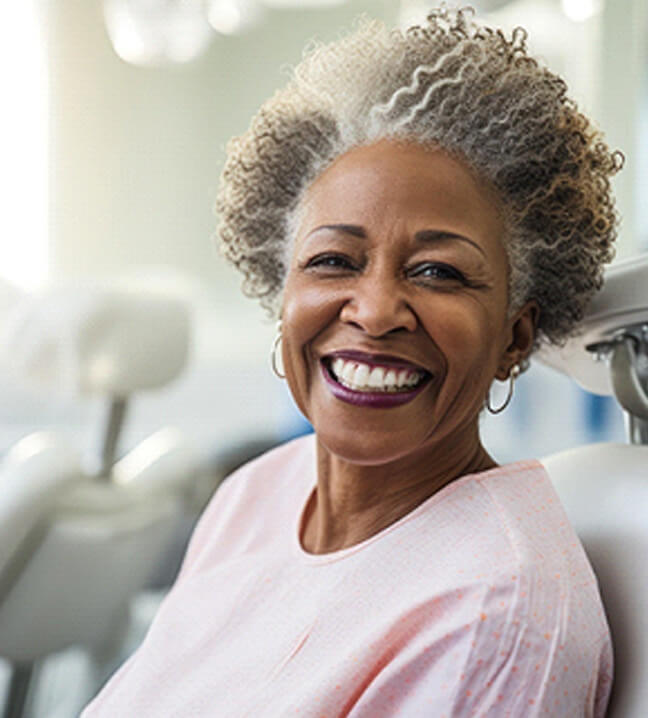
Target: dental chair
(78, 541)
(604, 487)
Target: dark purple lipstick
(370, 399)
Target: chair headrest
(96, 340)
(621, 303)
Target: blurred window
(23, 145)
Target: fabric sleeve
(495, 665)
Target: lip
(372, 400)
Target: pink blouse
(479, 602)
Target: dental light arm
(609, 356)
(628, 388)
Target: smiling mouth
(374, 377)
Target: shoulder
(258, 488)
(527, 472)
(553, 577)
(519, 484)
(279, 468)
(526, 538)
(525, 501)
(276, 462)
(516, 505)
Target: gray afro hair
(453, 84)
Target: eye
(436, 271)
(330, 261)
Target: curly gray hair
(456, 85)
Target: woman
(421, 209)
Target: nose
(378, 307)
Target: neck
(355, 501)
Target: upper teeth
(363, 377)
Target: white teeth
(377, 377)
(363, 377)
(347, 373)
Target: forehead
(392, 183)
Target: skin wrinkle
(472, 91)
(423, 236)
(393, 193)
(543, 170)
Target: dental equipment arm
(609, 356)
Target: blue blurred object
(597, 415)
(297, 426)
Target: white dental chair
(604, 487)
(77, 543)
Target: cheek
(469, 344)
(469, 337)
(306, 312)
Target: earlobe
(523, 329)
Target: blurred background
(114, 125)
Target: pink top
(479, 602)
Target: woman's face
(395, 305)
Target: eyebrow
(434, 235)
(423, 236)
(352, 229)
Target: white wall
(135, 159)
(136, 153)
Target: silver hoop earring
(513, 375)
(273, 353)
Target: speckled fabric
(480, 602)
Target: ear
(522, 333)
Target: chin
(365, 448)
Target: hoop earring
(513, 375)
(273, 353)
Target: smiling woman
(420, 209)
(399, 263)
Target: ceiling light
(301, 4)
(230, 17)
(581, 10)
(157, 32)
